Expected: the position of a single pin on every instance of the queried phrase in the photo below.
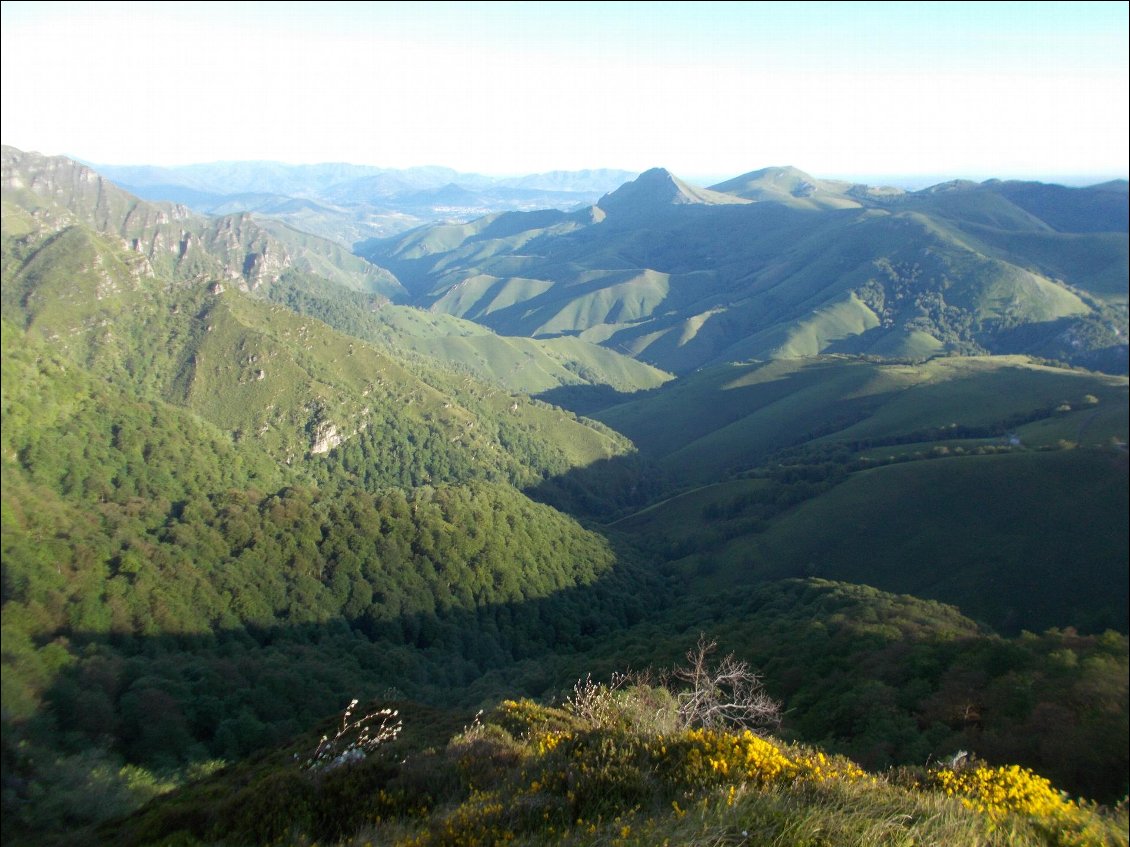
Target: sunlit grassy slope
(259, 371)
(758, 408)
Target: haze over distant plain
(708, 90)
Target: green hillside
(954, 480)
(755, 408)
(1020, 541)
(171, 595)
(981, 532)
(527, 365)
(208, 497)
(262, 372)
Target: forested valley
(241, 491)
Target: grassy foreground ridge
(616, 764)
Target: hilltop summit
(657, 188)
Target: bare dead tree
(726, 695)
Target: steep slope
(526, 365)
(260, 371)
(218, 513)
(171, 596)
(55, 192)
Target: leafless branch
(723, 695)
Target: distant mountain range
(347, 203)
(779, 264)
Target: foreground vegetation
(616, 764)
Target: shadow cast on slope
(165, 698)
(883, 678)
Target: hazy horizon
(906, 181)
(891, 92)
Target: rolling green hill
(955, 479)
(515, 363)
(759, 408)
(1020, 541)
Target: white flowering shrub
(355, 739)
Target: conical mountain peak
(658, 188)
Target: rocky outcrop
(326, 438)
(173, 240)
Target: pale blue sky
(705, 89)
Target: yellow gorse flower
(1000, 791)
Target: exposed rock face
(169, 236)
(92, 199)
(326, 438)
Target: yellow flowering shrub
(1014, 790)
(546, 742)
(481, 821)
(525, 718)
(699, 758)
(1000, 791)
(817, 767)
(539, 775)
(704, 757)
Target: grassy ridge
(519, 364)
(755, 408)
